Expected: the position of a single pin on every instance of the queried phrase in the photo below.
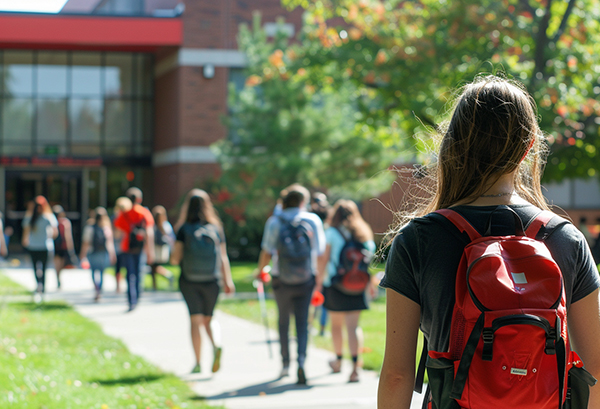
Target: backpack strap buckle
(550, 348)
(488, 344)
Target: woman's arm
(69, 235)
(322, 261)
(584, 332)
(110, 245)
(229, 287)
(397, 378)
(176, 253)
(25, 237)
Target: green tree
(408, 56)
(285, 129)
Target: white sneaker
(285, 371)
(37, 298)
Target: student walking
(40, 227)
(64, 248)
(488, 169)
(135, 227)
(294, 239)
(164, 239)
(98, 247)
(201, 251)
(348, 237)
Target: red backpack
(509, 344)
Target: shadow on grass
(132, 380)
(45, 306)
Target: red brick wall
(214, 24)
(202, 104)
(167, 110)
(171, 182)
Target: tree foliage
(405, 58)
(285, 129)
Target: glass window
(86, 123)
(144, 75)
(143, 140)
(1, 73)
(52, 127)
(17, 131)
(118, 74)
(118, 126)
(18, 73)
(52, 74)
(86, 74)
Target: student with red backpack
(344, 275)
(294, 239)
(504, 291)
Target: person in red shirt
(135, 225)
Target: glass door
(59, 187)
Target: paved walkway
(158, 330)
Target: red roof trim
(78, 32)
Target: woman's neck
(501, 192)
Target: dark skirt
(335, 300)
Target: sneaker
(217, 361)
(196, 369)
(37, 298)
(336, 365)
(285, 371)
(301, 377)
(353, 377)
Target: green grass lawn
(53, 358)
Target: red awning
(89, 32)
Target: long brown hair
(198, 207)
(493, 131)
(346, 213)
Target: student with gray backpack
(201, 252)
(98, 247)
(293, 239)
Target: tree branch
(541, 44)
(527, 7)
(563, 22)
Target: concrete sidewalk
(158, 330)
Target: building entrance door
(59, 187)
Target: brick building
(108, 94)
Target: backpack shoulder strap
(460, 222)
(542, 226)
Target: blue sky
(37, 6)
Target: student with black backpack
(489, 274)
(201, 251)
(294, 239)
(345, 279)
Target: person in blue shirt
(344, 309)
(293, 280)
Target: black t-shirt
(424, 257)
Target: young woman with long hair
(201, 251)
(344, 309)
(164, 239)
(98, 247)
(40, 228)
(64, 248)
(491, 155)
